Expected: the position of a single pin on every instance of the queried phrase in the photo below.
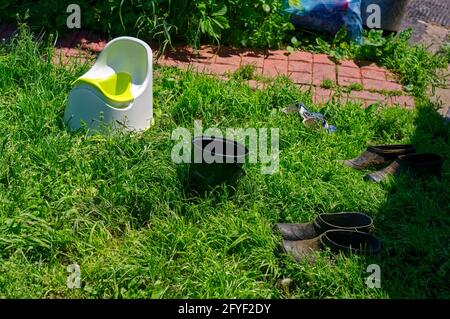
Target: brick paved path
(369, 82)
(305, 69)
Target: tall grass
(115, 204)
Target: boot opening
(422, 159)
(353, 241)
(347, 220)
(392, 149)
(217, 146)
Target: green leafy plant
(257, 23)
(212, 19)
(338, 48)
(417, 68)
(415, 65)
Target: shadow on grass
(414, 221)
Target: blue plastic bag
(327, 16)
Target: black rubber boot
(379, 155)
(419, 163)
(345, 241)
(222, 165)
(423, 163)
(344, 221)
(393, 169)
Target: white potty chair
(116, 91)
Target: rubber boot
(345, 241)
(222, 165)
(423, 163)
(323, 222)
(419, 164)
(379, 155)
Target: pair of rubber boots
(339, 232)
(397, 158)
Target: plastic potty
(116, 91)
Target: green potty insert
(215, 161)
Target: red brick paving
(276, 67)
(323, 72)
(346, 81)
(322, 59)
(321, 96)
(349, 64)
(252, 58)
(365, 95)
(301, 77)
(200, 67)
(301, 56)
(373, 74)
(349, 72)
(300, 66)
(220, 69)
(304, 68)
(381, 85)
(277, 55)
(204, 54)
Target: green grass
(416, 67)
(115, 204)
(245, 72)
(327, 84)
(355, 87)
